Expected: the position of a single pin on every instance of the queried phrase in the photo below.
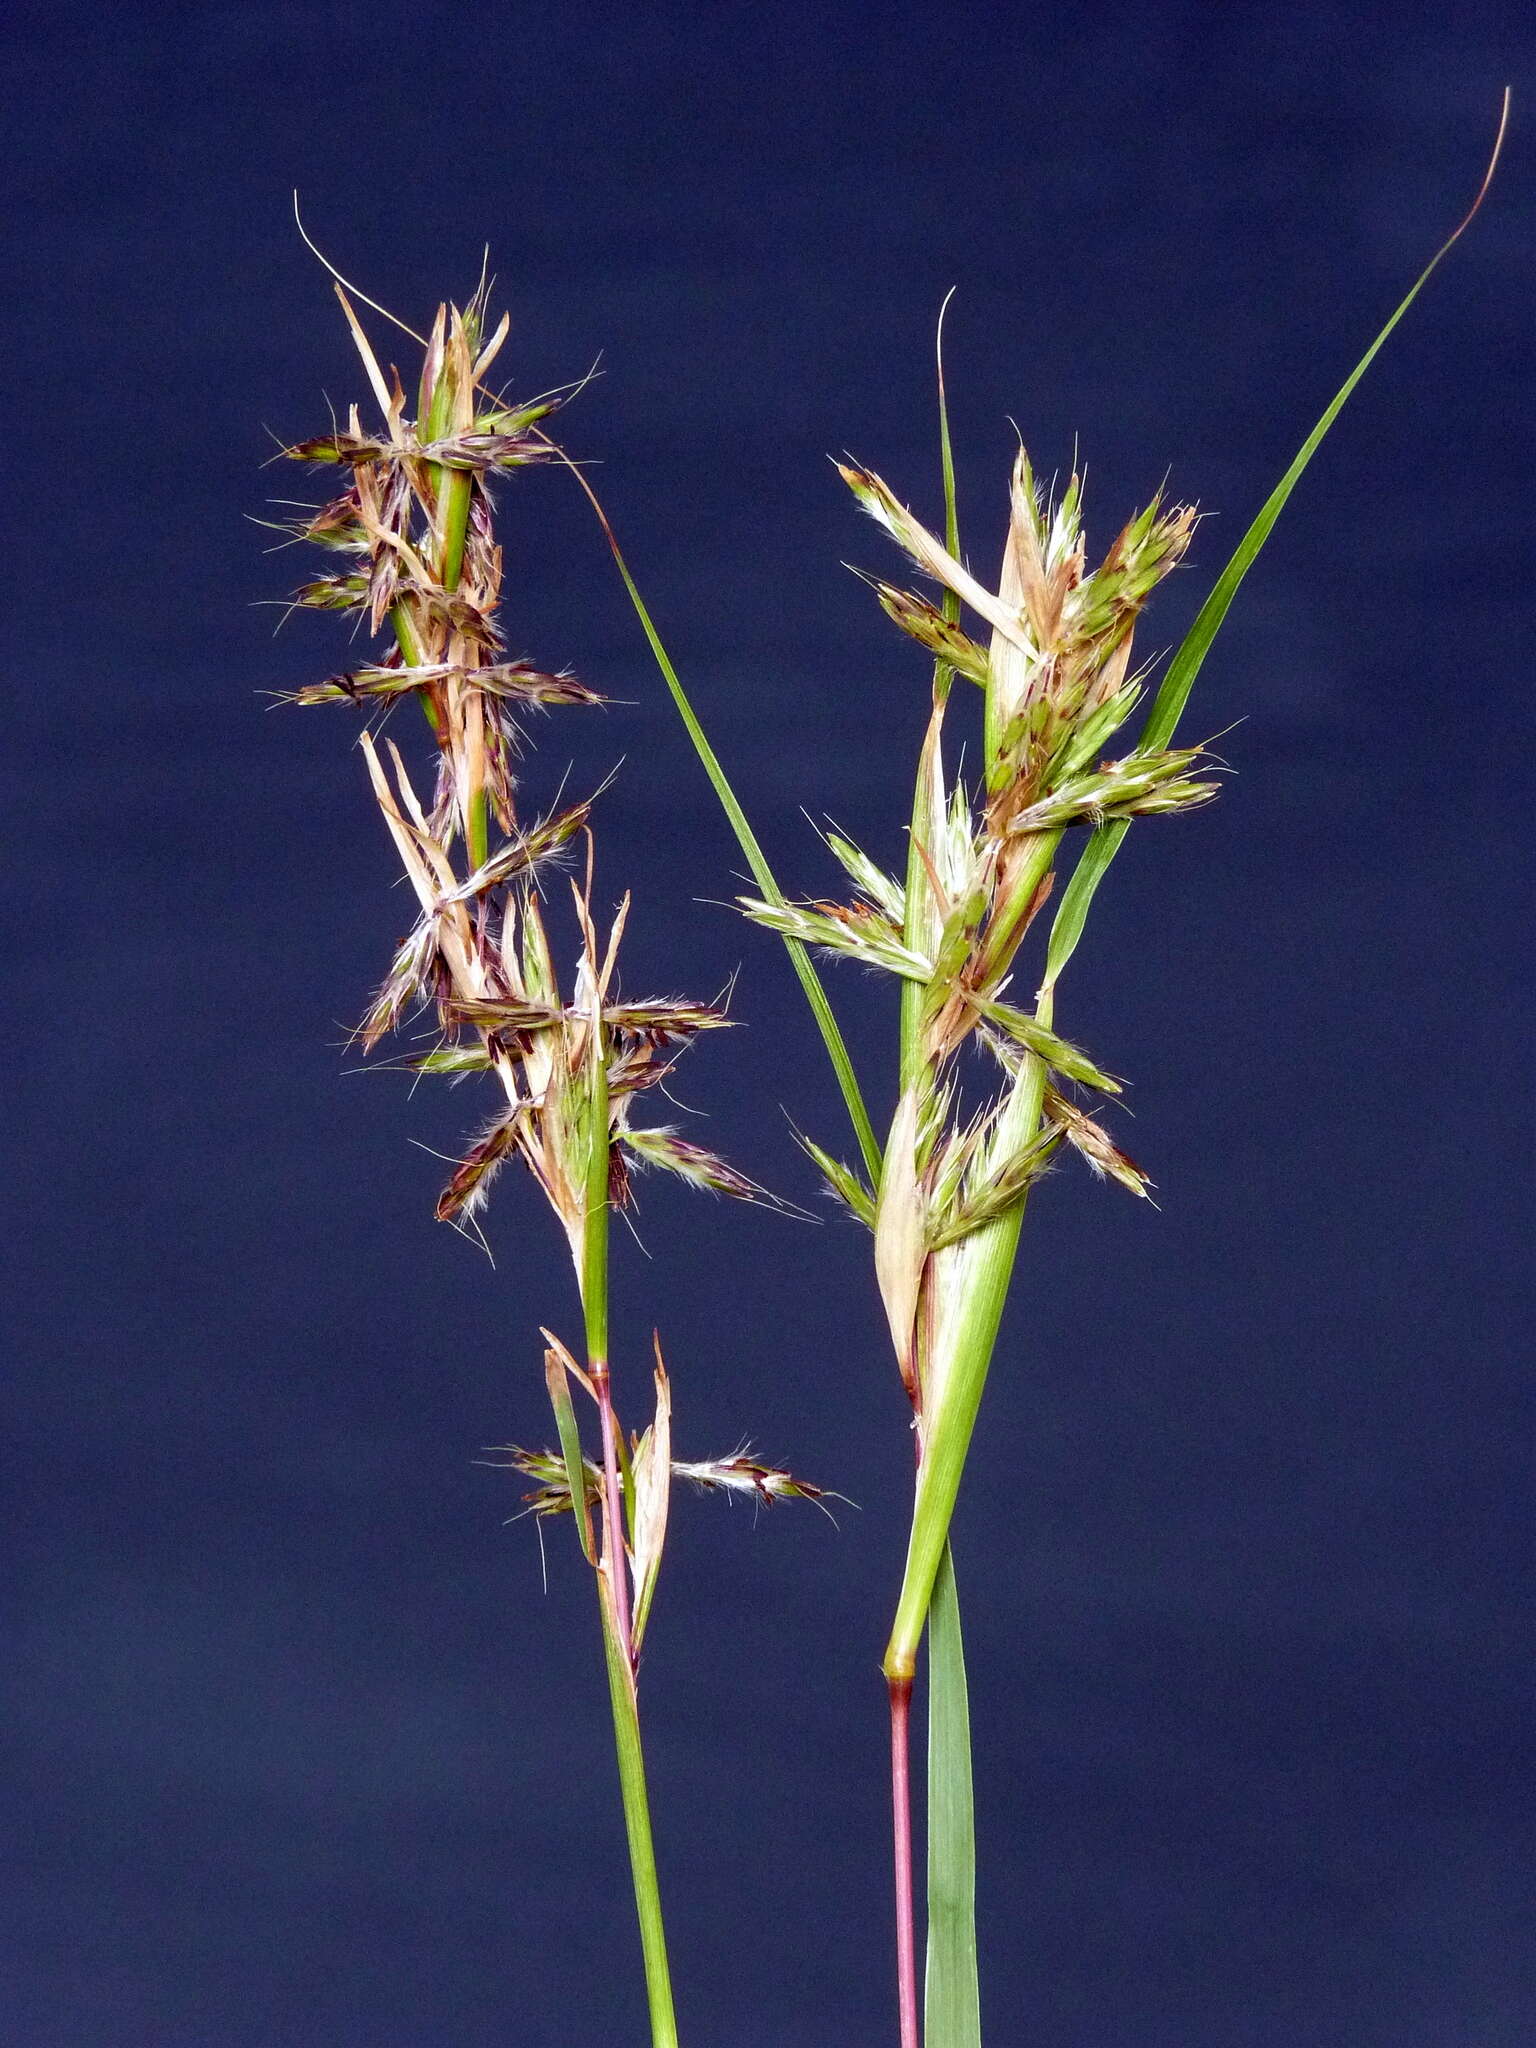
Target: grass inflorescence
(569, 1056)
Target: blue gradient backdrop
(298, 1750)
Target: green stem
(452, 491)
(455, 488)
(451, 488)
(410, 653)
(612, 1574)
(594, 1237)
(637, 1826)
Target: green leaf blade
(1168, 706)
(951, 1995)
(757, 860)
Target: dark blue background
(298, 1751)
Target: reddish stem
(901, 1811)
(901, 1807)
(613, 1506)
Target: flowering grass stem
(416, 523)
(1051, 701)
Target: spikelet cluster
(1055, 672)
(421, 565)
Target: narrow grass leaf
(951, 1994)
(800, 959)
(1186, 664)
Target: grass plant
(946, 1198)
(413, 532)
(987, 1089)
